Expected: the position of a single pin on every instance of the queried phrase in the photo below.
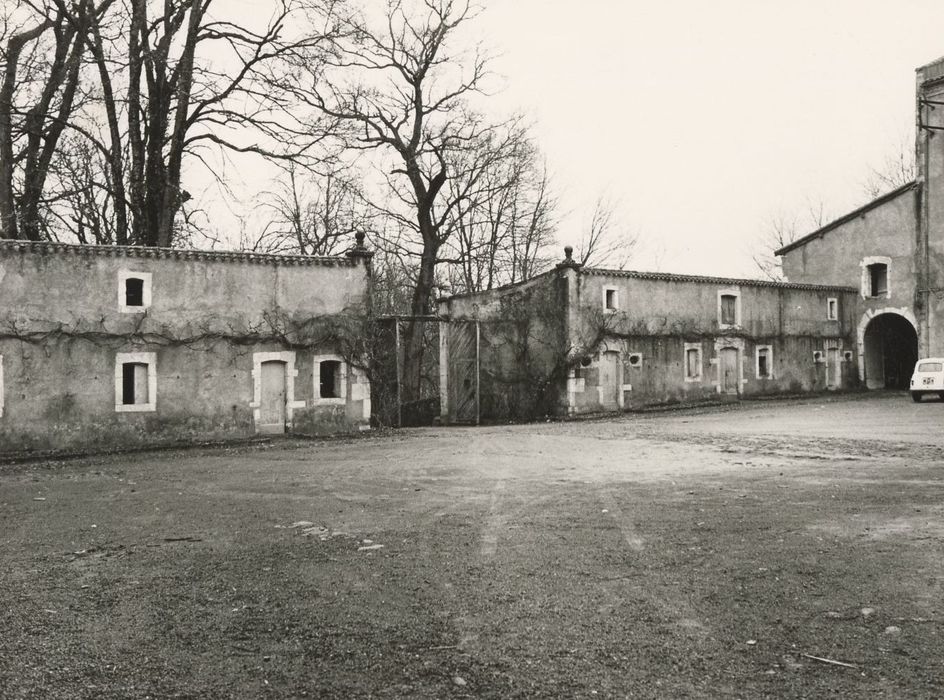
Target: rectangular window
(134, 291)
(764, 367)
(878, 279)
(729, 310)
(330, 379)
(832, 309)
(135, 381)
(610, 299)
(692, 362)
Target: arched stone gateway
(888, 348)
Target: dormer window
(134, 291)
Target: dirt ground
(697, 554)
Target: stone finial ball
(568, 251)
(359, 237)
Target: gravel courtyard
(787, 549)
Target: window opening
(693, 363)
(763, 363)
(635, 359)
(134, 291)
(134, 383)
(831, 310)
(878, 279)
(330, 373)
(728, 309)
(610, 299)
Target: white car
(928, 378)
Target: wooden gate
(462, 370)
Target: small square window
(635, 359)
(134, 291)
(832, 309)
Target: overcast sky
(707, 119)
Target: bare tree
(783, 230)
(314, 214)
(399, 90)
(43, 49)
(505, 215)
(161, 82)
(896, 171)
(606, 241)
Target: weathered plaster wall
(660, 316)
(61, 327)
(524, 347)
(596, 358)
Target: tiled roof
(728, 281)
(118, 251)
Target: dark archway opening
(891, 350)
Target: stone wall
(199, 328)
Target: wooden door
(272, 404)
(610, 384)
(463, 379)
(833, 368)
(729, 371)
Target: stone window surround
(701, 370)
(317, 399)
(144, 358)
(634, 360)
(770, 361)
(616, 300)
(867, 278)
(736, 293)
(288, 357)
(832, 309)
(145, 277)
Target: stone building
(892, 251)
(864, 299)
(580, 339)
(110, 345)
